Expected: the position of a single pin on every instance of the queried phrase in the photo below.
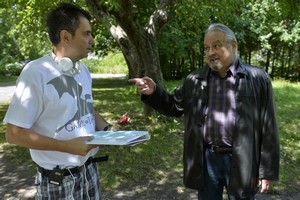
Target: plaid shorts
(83, 185)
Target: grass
(7, 80)
(129, 166)
(287, 97)
(159, 161)
(113, 63)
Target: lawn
(160, 159)
(7, 80)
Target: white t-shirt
(56, 105)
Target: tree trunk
(249, 57)
(273, 66)
(282, 63)
(268, 61)
(289, 70)
(139, 44)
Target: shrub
(13, 69)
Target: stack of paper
(119, 137)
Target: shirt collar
(232, 70)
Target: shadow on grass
(16, 173)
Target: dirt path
(6, 92)
(16, 180)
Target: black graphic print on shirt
(67, 84)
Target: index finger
(134, 80)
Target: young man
(52, 113)
(231, 136)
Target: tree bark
(139, 44)
(268, 61)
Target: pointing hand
(145, 85)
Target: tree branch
(100, 12)
(125, 18)
(159, 17)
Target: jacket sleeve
(269, 160)
(165, 103)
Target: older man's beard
(215, 66)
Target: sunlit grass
(287, 98)
(7, 80)
(113, 63)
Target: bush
(13, 69)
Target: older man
(231, 136)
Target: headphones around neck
(66, 66)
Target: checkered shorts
(83, 185)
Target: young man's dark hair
(64, 17)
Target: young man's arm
(101, 124)
(30, 139)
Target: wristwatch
(106, 128)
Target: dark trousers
(217, 172)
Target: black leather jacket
(255, 144)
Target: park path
(6, 92)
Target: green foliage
(268, 32)
(266, 14)
(13, 69)
(28, 26)
(104, 42)
(180, 43)
(160, 159)
(9, 50)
